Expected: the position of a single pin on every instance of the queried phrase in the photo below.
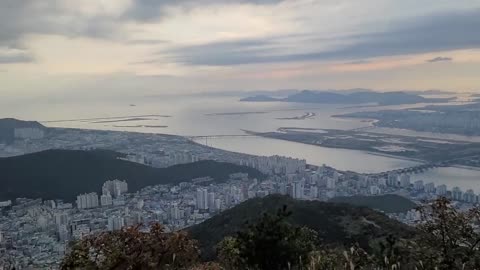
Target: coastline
(352, 149)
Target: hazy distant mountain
(388, 98)
(353, 97)
(274, 93)
(308, 96)
(8, 126)
(353, 90)
(389, 203)
(63, 174)
(259, 98)
(248, 93)
(289, 92)
(335, 223)
(432, 92)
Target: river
(194, 116)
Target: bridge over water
(220, 136)
(206, 137)
(425, 167)
(411, 170)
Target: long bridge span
(424, 167)
(220, 136)
(206, 137)
(409, 170)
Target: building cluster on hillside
(36, 233)
(29, 133)
(157, 150)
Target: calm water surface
(342, 159)
(194, 116)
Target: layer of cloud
(148, 10)
(79, 18)
(218, 43)
(358, 62)
(439, 59)
(146, 41)
(86, 18)
(441, 32)
(13, 55)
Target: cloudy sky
(143, 47)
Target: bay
(209, 116)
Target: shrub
(130, 248)
(271, 243)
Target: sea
(217, 121)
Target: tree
(270, 244)
(448, 239)
(391, 253)
(131, 248)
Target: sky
(107, 48)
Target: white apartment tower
(115, 188)
(61, 219)
(202, 198)
(418, 185)
(405, 180)
(106, 199)
(441, 190)
(211, 201)
(115, 223)
(87, 201)
(331, 183)
(298, 190)
(430, 187)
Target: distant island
(260, 98)
(452, 119)
(325, 97)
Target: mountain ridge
(361, 96)
(389, 203)
(63, 174)
(336, 223)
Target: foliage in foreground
(272, 243)
(446, 239)
(131, 248)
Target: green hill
(335, 223)
(389, 203)
(63, 174)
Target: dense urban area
(239, 135)
(36, 232)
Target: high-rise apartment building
(115, 188)
(202, 198)
(87, 201)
